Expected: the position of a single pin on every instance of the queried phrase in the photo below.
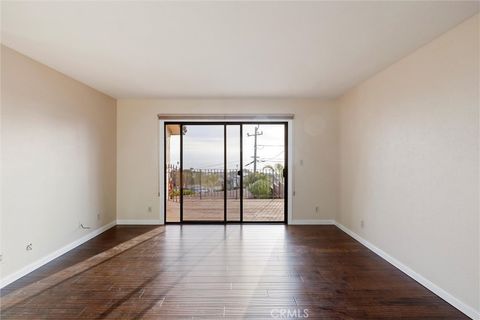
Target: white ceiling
(224, 49)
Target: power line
(270, 145)
(275, 156)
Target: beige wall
(409, 152)
(58, 158)
(315, 142)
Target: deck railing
(266, 183)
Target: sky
(203, 146)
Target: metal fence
(266, 183)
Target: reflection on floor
(103, 242)
(67, 273)
(233, 271)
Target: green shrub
(252, 178)
(176, 193)
(260, 189)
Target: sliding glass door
(225, 172)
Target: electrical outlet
(149, 209)
(316, 209)
(29, 247)
(362, 224)
(98, 216)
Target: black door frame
(225, 124)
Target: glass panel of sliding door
(264, 164)
(203, 172)
(172, 173)
(233, 167)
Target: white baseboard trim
(46, 259)
(312, 222)
(139, 222)
(467, 310)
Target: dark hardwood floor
(217, 271)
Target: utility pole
(255, 135)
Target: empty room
(240, 160)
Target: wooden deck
(211, 209)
